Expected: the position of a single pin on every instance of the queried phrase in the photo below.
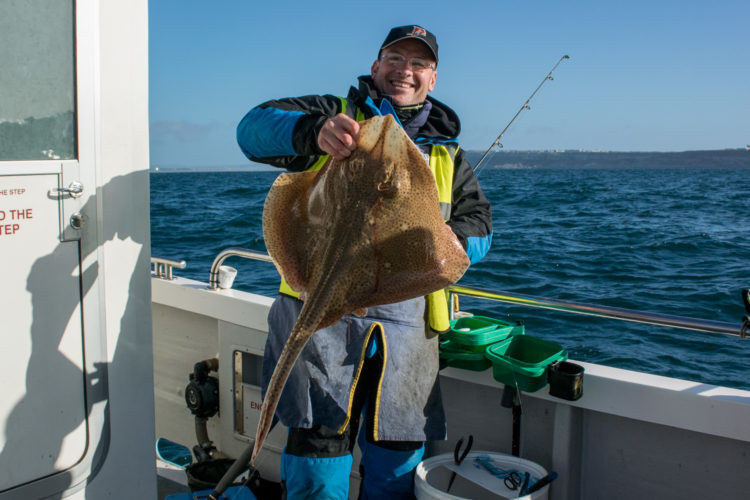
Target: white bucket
(474, 480)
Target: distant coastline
(553, 158)
(171, 169)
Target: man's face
(405, 85)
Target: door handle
(74, 190)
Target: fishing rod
(525, 106)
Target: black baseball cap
(411, 31)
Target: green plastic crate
(475, 333)
(452, 354)
(522, 361)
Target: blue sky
(642, 75)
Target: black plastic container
(565, 380)
(206, 475)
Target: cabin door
(53, 367)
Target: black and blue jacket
(284, 132)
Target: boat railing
(616, 313)
(163, 267)
(213, 275)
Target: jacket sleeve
(471, 213)
(284, 132)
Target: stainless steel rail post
(213, 277)
(163, 267)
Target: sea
(665, 233)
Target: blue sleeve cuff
(477, 247)
(266, 132)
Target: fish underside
(360, 232)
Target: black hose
(201, 431)
(239, 465)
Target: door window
(37, 68)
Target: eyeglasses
(417, 63)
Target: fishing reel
(202, 391)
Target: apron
(320, 388)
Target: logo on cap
(417, 31)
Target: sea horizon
(474, 155)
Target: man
(384, 365)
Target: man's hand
(338, 136)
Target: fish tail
(308, 321)
(297, 340)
